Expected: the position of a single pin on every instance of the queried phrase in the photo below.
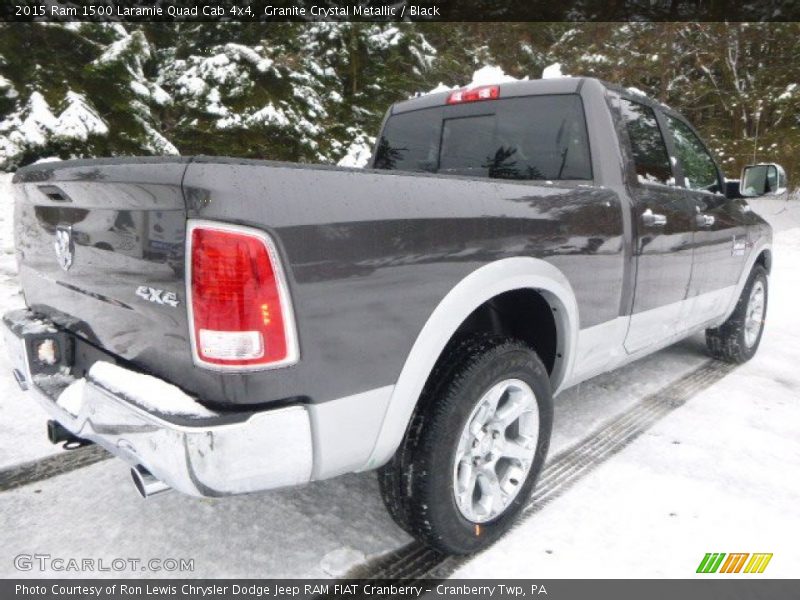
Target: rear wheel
(474, 448)
(738, 338)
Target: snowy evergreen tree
(317, 92)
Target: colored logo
(719, 562)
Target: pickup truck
(271, 324)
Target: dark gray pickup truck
(228, 326)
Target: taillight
(487, 92)
(240, 310)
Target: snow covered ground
(728, 485)
(717, 475)
(21, 434)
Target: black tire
(728, 342)
(417, 484)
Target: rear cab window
(522, 138)
(650, 157)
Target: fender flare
(762, 245)
(483, 284)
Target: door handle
(705, 220)
(651, 219)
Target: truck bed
(368, 255)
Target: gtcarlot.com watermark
(47, 562)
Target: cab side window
(699, 170)
(647, 144)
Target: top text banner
(399, 10)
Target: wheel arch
(760, 254)
(479, 287)
(764, 258)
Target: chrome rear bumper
(214, 455)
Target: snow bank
(358, 154)
(47, 159)
(146, 391)
(10, 294)
(553, 72)
(492, 75)
(637, 92)
(439, 89)
(6, 215)
(487, 75)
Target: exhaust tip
(20, 379)
(146, 483)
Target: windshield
(531, 137)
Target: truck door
(663, 220)
(720, 233)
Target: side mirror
(765, 179)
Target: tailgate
(100, 246)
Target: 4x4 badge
(157, 296)
(65, 248)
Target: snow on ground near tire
(717, 475)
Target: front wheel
(475, 447)
(738, 338)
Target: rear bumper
(212, 455)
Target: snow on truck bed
(148, 392)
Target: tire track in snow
(45, 468)
(562, 472)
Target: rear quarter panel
(370, 254)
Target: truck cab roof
(530, 87)
(525, 87)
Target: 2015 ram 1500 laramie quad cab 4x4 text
(228, 326)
